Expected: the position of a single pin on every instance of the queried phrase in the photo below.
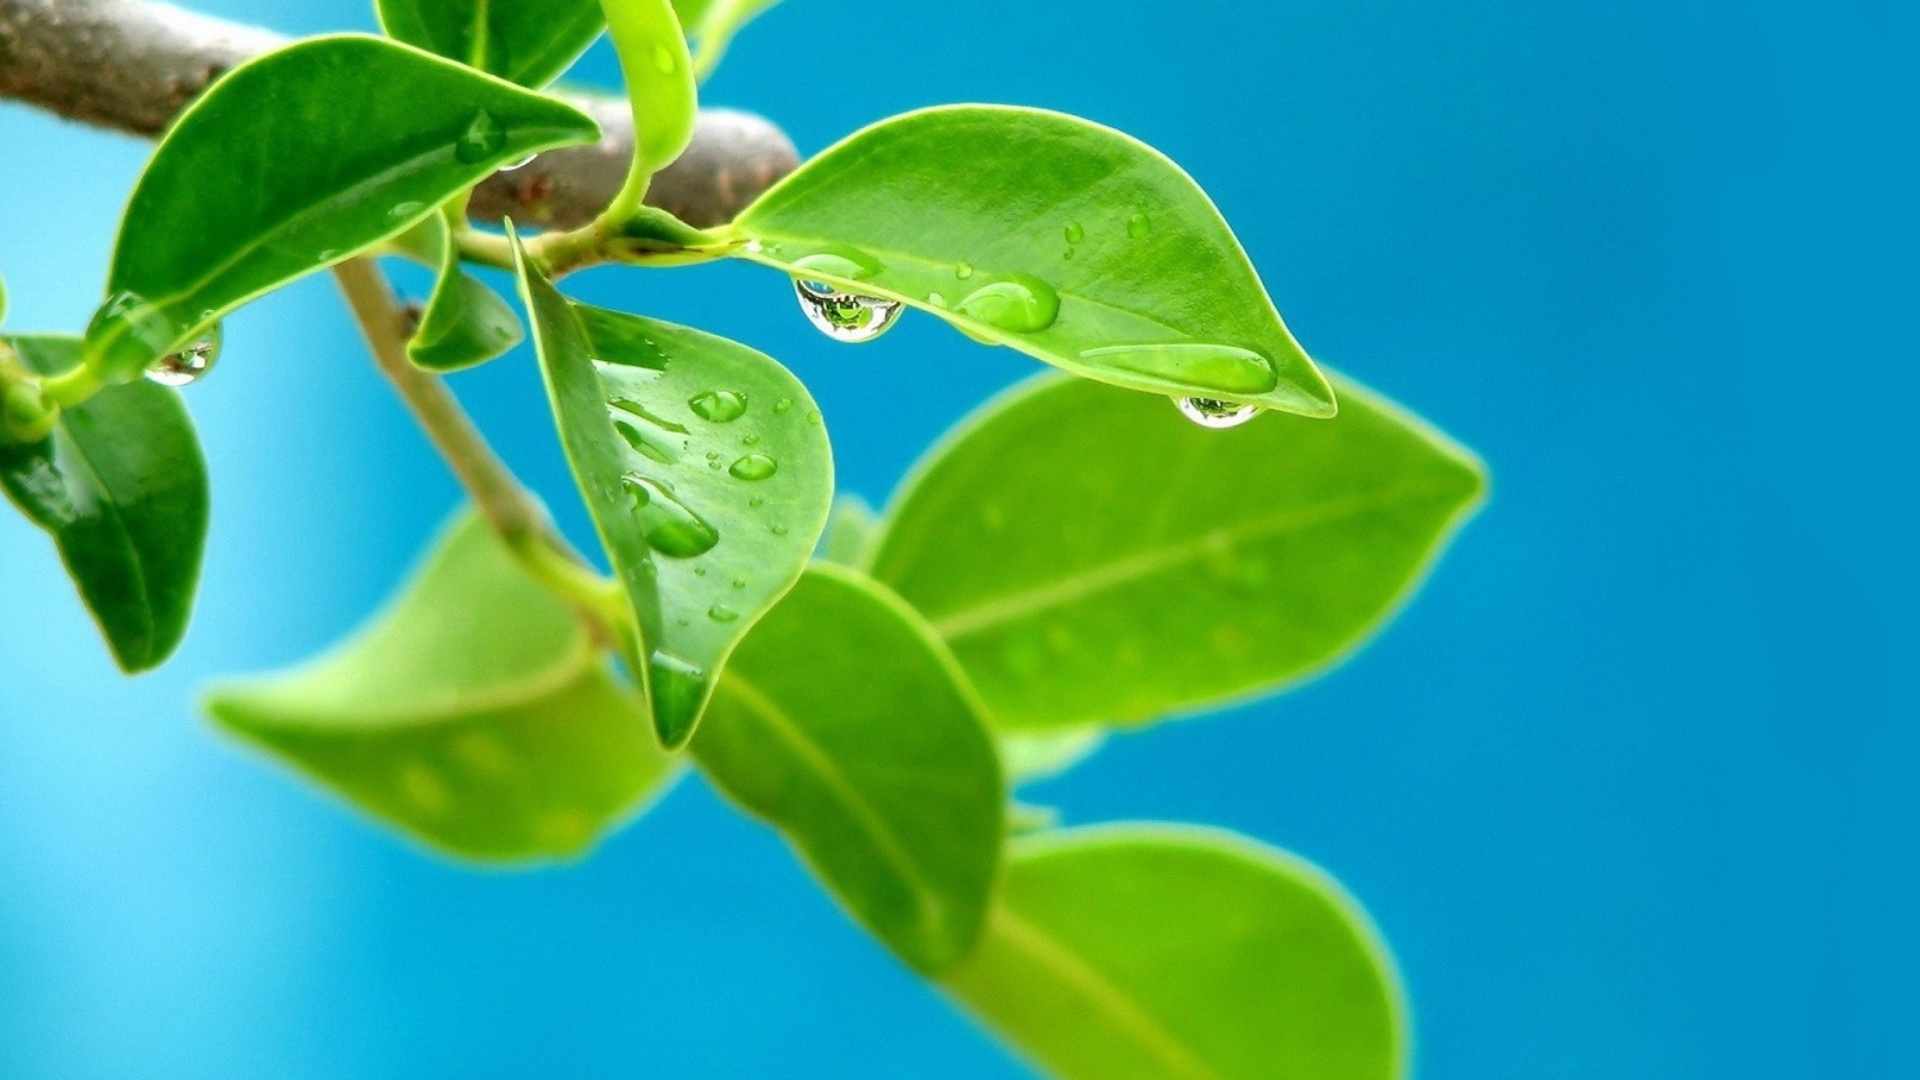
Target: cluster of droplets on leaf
(842, 315)
(190, 364)
(1210, 413)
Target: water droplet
(739, 583)
(655, 450)
(754, 467)
(777, 530)
(699, 571)
(521, 164)
(813, 417)
(127, 335)
(1209, 413)
(722, 613)
(669, 525)
(664, 60)
(1224, 368)
(713, 455)
(937, 299)
(1015, 303)
(756, 502)
(783, 405)
(1075, 232)
(750, 440)
(406, 210)
(845, 316)
(639, 411)
(483, 138)
(190, 364)
(963, 271)
(1067, 254)
(1138, 226)
(719, 406)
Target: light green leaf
(851, 530)
(474, 714)
(122, 489)
(1166, 953)
(1066, 240)
(529, 42)
(845, 723)
(706, 469)
(711, 24)
(1044, 754)
(293, 162)
(465, 323)
(1092, 557)
(660, 82)
(3, 301)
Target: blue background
(1617, 787)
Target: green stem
(70, 388)
(509, 510)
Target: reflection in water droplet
(1138, 226)
(482, 139)
(754, 467)
(1016, 303)
(722, 613)
(719, 406)
(1075, 233)
(963, 271)
(1209, 413)
(1224, 368)
(845, 316)
(669, 525)
(658, 451)
(190, 364)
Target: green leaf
(711, 24)
(851, 530)
(474, 714)
(529, 42)
(1166, 953)
(846, 724)
(1066, 240)
(465, 323)
(706, 470)
(122, 488)
(1041, 755)
(3, 301)
(660, 83)
(292, 162)
(1092, 557)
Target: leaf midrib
(111, 503)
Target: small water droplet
(482, 139)
(1209, 413)
(663, 59)
(649, 448)
(750, 440)
(683, 621)
(777, 530)
(1015, 303)
(813, 417)
(845, 316)
(754, 467)
(1067, 254)
(699, 571)
(190, 364)
(739, 583)
(963, 271)
(1138, 226)
(521, 164)
(1075, 232)
(722, 613)
(406, 210)
(756, 502)
(938, 300)
(1226, 368)
(783, 405)
(718, 406)
(669, 525)
(635, 409)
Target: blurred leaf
(122, 488)
(850, 530)
(3, 301)
(1066, 240)
(844, 722)
(529, 42)
(1040, 755)
(659, 75)
(474, 714)
(465, 323)
(288, 164)
(1024, 818)
(1092, 557)
(706, 469)
(711, 24)
(1164, 953)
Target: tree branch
(132, 65)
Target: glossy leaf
(706, 469)
(529, 42)
(474, 714)
(845, 723)
(122, 489)
(292, 162)
(1061, 238)
(465, 323)
(1042, 755)
(1164, 953)
(1093, 557)
(659, 74)
(711, 24)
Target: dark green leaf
(659, 75)
(122, 488)
(465, 323)
(851, 530)
(295, 161)
(1092, 557)
(529, 42)
(1066, 240)
(846, 724)
(706, 469)
(1163, 953)
(474, 714)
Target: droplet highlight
(722, 613)
(845, 316)
(1075, 232)
(1016, 303)
(1209, 413)
(190, 364)
(1139, 226)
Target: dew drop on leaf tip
(1210, 413)
(190, 364)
